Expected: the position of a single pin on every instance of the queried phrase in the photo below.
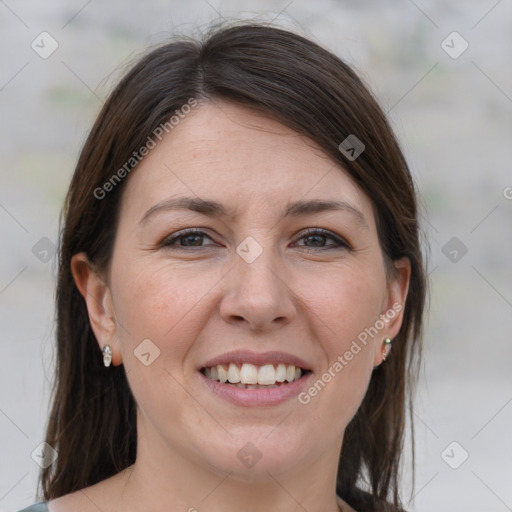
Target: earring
(107, 355)
(387, 341)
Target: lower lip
(255, 397)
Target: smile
(251, 379)
(250, 376)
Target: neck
(167, 480)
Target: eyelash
(340, 243)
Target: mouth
(248, 379)
(250, 376)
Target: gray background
(453, 118)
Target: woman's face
(259, 278)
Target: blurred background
(438, 68)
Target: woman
(239, 254)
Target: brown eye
(319, 237)
(187, 238)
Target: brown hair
(92, 423)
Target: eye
(318, 237)
(313, 238)
(186, 238)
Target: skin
(303, 295)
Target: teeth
(249, 376)
(281, 373)
(233, 373)
(267, 374)
(222, 373)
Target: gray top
(37, 507)
(43, 506)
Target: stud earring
(387, 341)
(107, 355)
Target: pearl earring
(387, 341)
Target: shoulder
(78, 501)
(37, 507)
(73, 501)
(89, 499)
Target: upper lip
(246, 356)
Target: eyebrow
(215, 209)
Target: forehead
(239, 157)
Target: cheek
(160, 302)
(345, 306)
(347, 302)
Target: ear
(392, 312)
(97, 296)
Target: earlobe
(97, 296)
(393, 313)
(397, 296)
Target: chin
(248, 457)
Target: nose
(257, 295)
